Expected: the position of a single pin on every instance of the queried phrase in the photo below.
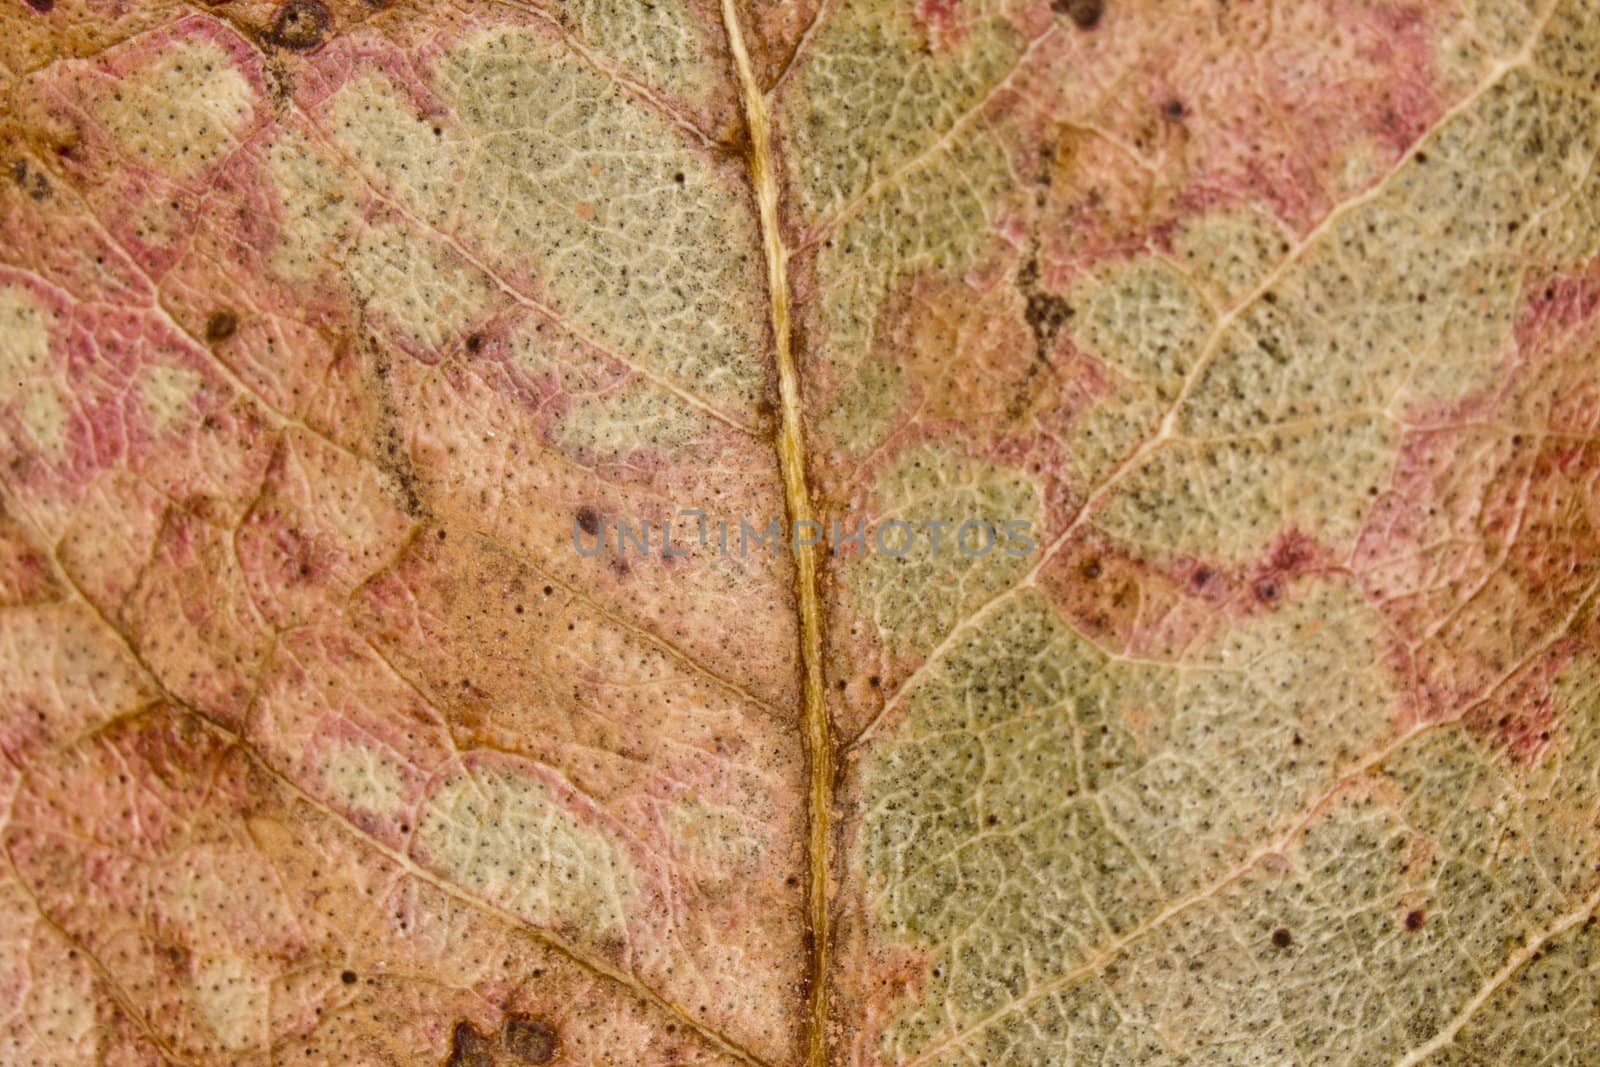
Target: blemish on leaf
(530, 1040)
(300, 26)
(1415, 919)
(468, 1048)
(1045, 312)
(588, 520)
(220, 326)
(1084, 13)
(30, 181)
(1282, 938)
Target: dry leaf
(1186, 413)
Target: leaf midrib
(789, 442)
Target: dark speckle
(348, 977)
(589, 520)
(1266, 591)
(300, 26)
(1084, 13)
(474, 342)
(528, 1039)
(32, 182)
(1174, 110)
(42, 6)
(1415, 919)
(220, 326)
(1282, 938)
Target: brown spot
(1174, 110)
(589, 520)
(348, 977)
(1266, 590)
(300, 26)
(43, 7)
(1282, 938)
(734, 144)
(220, 326)
(530, 1040)
(1091, 569)
(1085, 13)
(1415, 919)
(1044, 312)
(468, 1048)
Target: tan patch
(427, 292)
(25, 365)
(234, 1001)
(665, 271)
(316, 204)
(358, 777)
(181, 111)
(506, 837)
(167, 392)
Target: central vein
(791, 458)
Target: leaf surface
(330, 333)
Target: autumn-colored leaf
(800, 533)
